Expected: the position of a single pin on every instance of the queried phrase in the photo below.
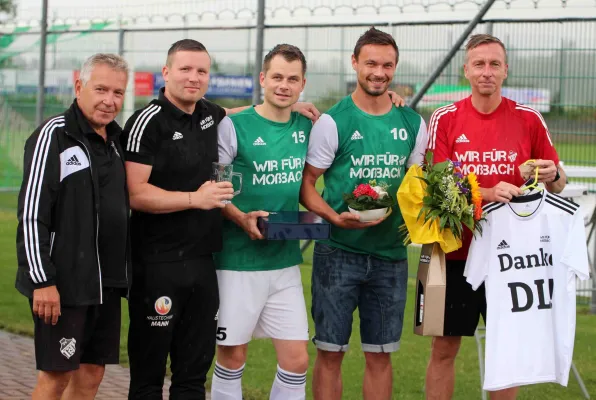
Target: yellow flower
(475, 187)
(476, 195)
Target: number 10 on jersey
(299, 137)
(402, 134)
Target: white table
(573, 190)
(576, 171)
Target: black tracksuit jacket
(58, 214)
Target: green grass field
(409, 363)
(10, 176)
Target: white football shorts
(260, 304)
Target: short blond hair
(113, 61)
(483, 38)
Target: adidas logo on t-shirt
(356, 135)
(177, 136)
(73, 161)
(259, 142)
(502, 245)
(462, 139)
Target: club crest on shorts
(163, 305)
(68, 347)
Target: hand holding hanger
(530, 171)
(502, 192)
(547, 170)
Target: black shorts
(83, 335)
(463, 305)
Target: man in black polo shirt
(72, 235)
(176, 226)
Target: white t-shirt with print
(529, 256)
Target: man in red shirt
(491, 136)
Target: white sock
(226, 383)
(288, 386)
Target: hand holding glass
(225, 173)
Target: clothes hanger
(528, 188)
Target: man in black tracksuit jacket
(72, 236)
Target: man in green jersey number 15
(362, 265)
(259, 281)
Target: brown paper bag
(431, 284)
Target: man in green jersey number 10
(362, 265)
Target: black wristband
(558, 176)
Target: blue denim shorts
(343, 281)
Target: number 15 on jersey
(299, 137)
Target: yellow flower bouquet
(436, 201)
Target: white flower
(379, 191)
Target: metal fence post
(121, 117)
(593, 302)
(256, 89)
(305, 52)
(489, 28)
(129, 95)
(248, 52)
(561, 74)
(120, 38)
(342, 71)
(41, 83)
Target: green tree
(8, 7)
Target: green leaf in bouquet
(456, 227)
(440, 167)
(429, 157)
(469, 223)
(478, 228)
(443, 222)
(427, 216)
(434, 214)
(421, 213)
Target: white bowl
(369, 215)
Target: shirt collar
(175, 111)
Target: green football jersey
(355, 147)
(270, 156)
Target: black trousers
(173, 310)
